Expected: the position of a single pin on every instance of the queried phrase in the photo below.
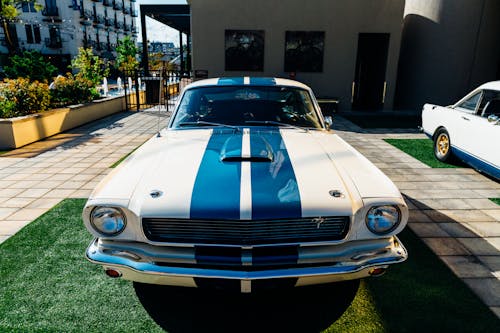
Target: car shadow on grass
(305, 309)
(428, 296)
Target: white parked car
(246, 187)
(469, 129)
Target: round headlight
(108, 221)
(383, 219)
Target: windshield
(246, 106)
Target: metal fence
(159, 88)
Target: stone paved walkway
(449, 208)
(36, 177)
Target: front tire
(442, 145)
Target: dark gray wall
(448, 47)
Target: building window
(36, 32)
(29, 33)
(54, 41)
(28, 7)
(32, 34)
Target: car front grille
(257, 232)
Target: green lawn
(422, 150)
(495, 200)
(48, 286)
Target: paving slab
(467, 267)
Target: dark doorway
(369, 79)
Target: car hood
(250, 174)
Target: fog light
(113, 273)
(377, 271)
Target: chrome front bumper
(178, 266)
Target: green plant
(22, 96)
(31, 65)
(72, 89)
(126, 51)
(90, 67)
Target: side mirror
(494, 119)
(329, 122)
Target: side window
(470, 103)
(489, 103)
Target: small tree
(9, 12)
(155, 62)
(89, 66)
(31, 65)
(126, 55)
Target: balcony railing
(50, 11)
(53, 43)
(107, 3)
(99, 20)
(86, 14)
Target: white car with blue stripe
(468, 130)
(246, 187)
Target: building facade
(369, 54)
(346, 49)
(62, 26)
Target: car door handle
(465, 118)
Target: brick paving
(449, 208)
(38, 176)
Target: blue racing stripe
(230, 81)
(216, 192)
(262, 81)
(275, 192)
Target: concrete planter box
(20, 131)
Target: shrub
(89, 66)
(126, 51)
(20, 97)
(72, 90)
(31, 65)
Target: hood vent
(247, 159)
(257, 150)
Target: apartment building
(62, 26)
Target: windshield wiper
(207, 123)
(276, 123)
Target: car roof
(247, 81)
(493, 85)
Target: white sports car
(246, 187)
(469, 129)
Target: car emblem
(336, 194)
(155, 194)
(318, 221)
